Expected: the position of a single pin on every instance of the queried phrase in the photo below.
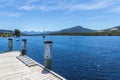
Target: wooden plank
(13, 69)
(27, 61)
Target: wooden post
(48, 54)
(10, 44)
(24, 51)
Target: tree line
(108, 33)
(16, 33)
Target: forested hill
(81, 31)
(77, 29)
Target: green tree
(17, 32)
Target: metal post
(10, 44)
(48, 54)
(24, 51)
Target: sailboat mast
(43, 32)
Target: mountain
(77, 29)
(31, 32)
(35, 32)
(8, 31)
(116, 28)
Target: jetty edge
(13, 69)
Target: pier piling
(48, 54)
(24, 51)
(10, 44)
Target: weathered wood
(12, 68)
(27, 61)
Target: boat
(43, 36)
(17, 39)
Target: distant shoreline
(110, 33)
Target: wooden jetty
(16, 67)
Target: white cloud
(31, 1)
(10, 14)
(27, 7)
(16, 3)
(91, 6)
(46, 5)
(14, 14)
(50, 5)
(6, 3)
(67, 5)
(96, 17)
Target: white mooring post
(24, 51)
(48, 54)
(10, 44)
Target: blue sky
(33, 15)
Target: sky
(54, 15)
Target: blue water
(77, 57)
